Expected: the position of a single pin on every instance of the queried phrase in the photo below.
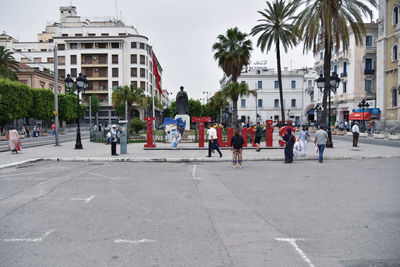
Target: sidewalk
(97, 152)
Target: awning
(310, 112)
(358, 116)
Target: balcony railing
(369, 72)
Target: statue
(182, 102)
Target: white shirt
(212, 132)
(355, 129)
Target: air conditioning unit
(94, 58)
(96, 70)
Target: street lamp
(363, 104)
(206, 92)
(334, 81)
(81, 85)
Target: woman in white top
(304, 135)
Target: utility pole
(56, 94)
(90, 113)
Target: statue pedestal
(185, 118)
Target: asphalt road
(339, 213)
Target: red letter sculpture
(282, 132)
(269, 132)
(221, 143)
(201, 121)
(245, 132)
(149, 131)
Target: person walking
(346, 124)
(237, 142)
(13, 140)
(114, 139)
(304, 135)
(289, 139)
(356, 134)
(212, 141)
(321, 138)
(27, 130)
(53, 129)
(258, 135)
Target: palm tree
(277, 29)
(233, 91)
(7, 64)
(328, 23)
(219, 102)
(127, 95)
(232, 51)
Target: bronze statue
(182, 102)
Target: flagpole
(153, 91)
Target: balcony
(369, 72)
(343, 74)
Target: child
(236, 148)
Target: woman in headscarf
(289, 139)
(13, 140)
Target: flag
(157, 75)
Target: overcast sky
(181, 32)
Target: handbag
(19, 146)
(215, 144)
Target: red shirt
(53, 126)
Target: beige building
(36, 78)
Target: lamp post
(81, 85)
(363, 104)
(206, 92)
(334, 81)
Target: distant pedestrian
(100, 127)
(341, 126)
(289, 139)
(27, 130)
(95, 127)
(237, 148)
(321, 139)
(346, 124)
(258, 135)
(53, 129)
(304, 136)
(356, 134)
(114, 139)
(13, 140)
(369, 128)
(212, 141)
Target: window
(114, 84)
(394, 97)
(50, 60)
(61, 46)
(293, 84)
(260, 103)
(143, 85)
(78, 34)
(43, 50)
(276, 103)
(87, 46)
(133, 59)
(243, 103)
(368, 40)
(321, 56)
(74, 72)
(394, 52)
(133, 72)
(133, 45)
(104, 34)
(276, 84)
(64, 35)
(142, 59)
(368, 66)
(61, 60)
(293, 102)
(73, 59)
(115, 72)
(61, 73)
(101, 45)
(91, 34)
(141, 45)
(309, 83)
(37, 60)
(344, 87)
(114, 45)
(42, 84)
(345, 67)
(335, 68)
(142, 73)
(114, 59)
(259, 84)
(73, 46)
(134, 83)
(312, 97)
(121, 34)
(368, 86)
(395, 16)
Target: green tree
(234, 90)
(277, 30)
(195, 108)
(172, 111)
(325, 24)
(15, 100)
(7, 64)
(137, 125)
(218, 102)
(95, 106)
(232, 51)
(43, 104)
(67, 107)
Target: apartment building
(356, 67)
(298, 94)
(388, 75)
(107, 51)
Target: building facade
(107, 51)
(388, 63)
(356, 68)
(297, 95)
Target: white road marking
(40, 239)
(194, 171)
(134, 241)
(82, 198)
(85, 199)
(292, 241)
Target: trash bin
(123, 136)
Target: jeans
(321, 152)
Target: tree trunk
(278, 59)
(327, 69)
(235, 121)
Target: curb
(186, 160)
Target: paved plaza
(66, 207)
